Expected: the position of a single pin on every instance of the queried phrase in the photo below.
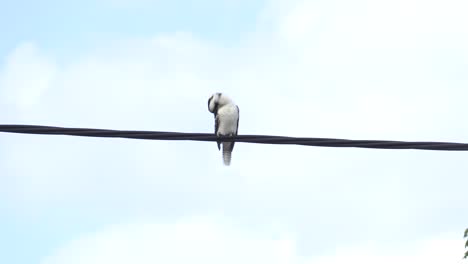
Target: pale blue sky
(362, 70)
(64, 27)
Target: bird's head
(216, 101)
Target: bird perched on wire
(226, 115)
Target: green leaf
(466, 233)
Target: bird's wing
(237, 127)
(238, 117)
(216, 129)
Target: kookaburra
(226, 115)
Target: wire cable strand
(260, 139)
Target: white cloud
(214, 240)
(438, 250)
(198, 240)
(26, 76)
(376, 24)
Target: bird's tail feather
(227, 151)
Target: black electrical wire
(261, 139)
